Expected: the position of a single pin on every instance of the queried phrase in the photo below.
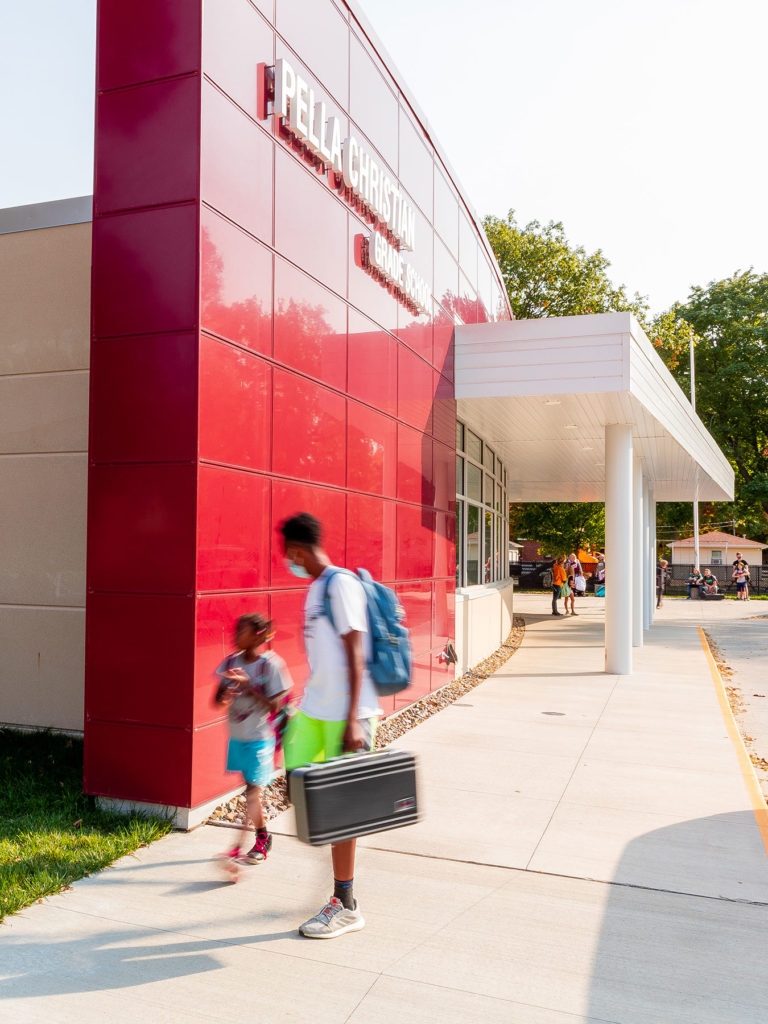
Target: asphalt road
(744, 646)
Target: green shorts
(311, 741)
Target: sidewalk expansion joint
(575, 878)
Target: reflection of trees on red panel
(309, 331)
(242, 320)
(461, 306)
(239, 320)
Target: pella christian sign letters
(359, 175)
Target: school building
(280, 299)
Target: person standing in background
(661, 580)
(558, 580)
(579, 583)
(567, 591)
(600, 568)
(741, 577)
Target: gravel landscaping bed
(232, 813)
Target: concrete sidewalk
(589, 853)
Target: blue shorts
(254, 759)
(741, 584)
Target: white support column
(637, 553)
(618, 546)
(654, 555)
(647, 562)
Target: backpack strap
(327, 610)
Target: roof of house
(715, 537)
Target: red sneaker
(227, 862)
(259, 851)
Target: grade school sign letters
(356, 174)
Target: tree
(545, 275)
(730, 320)
(560, 527)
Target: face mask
(297, 570)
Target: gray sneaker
(334, 919)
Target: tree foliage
(546, 275)
(730, 320)
(560, 527)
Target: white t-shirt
(326, 694)
(249, 719)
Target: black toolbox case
(354, 795)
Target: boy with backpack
(252, 686)
(339, 708)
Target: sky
(640, 126)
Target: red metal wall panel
(142, 531)
(247, 367)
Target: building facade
(292, 306)
(717, 548)
(280, 255)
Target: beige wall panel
(41, 669)
(45, 295)
(46, 412)
(42, 540)
(483, 622)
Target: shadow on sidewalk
(116, 959)
(686, 945)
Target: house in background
(717, 548)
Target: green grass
(50, 833)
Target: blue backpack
(390, 662)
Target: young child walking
(569, 589)
(252, 684)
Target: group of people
(569, 582)
(338, 712)
(707, 584)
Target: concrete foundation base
(184, 818)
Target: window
(717, 558)
(482, 528)
(488, 495)
(473, 545)
(473, 446)
(474, 482)
(488, 549)
(499, 547)
(459, 542)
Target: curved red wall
(246, 367)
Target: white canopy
(581, 408)
(543, 391)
